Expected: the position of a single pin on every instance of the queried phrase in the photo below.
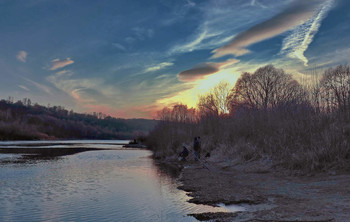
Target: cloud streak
(296, 14)
(57, 63)
(23, 87)
(38, 86)
(160, 66)
(22, 56)
(297, 43)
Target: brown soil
(268, 194)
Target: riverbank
(266, 194)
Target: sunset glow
(135, 58)
(200, 87)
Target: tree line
(22, 120)
(268, 115)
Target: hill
(23, 121)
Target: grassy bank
(302, 128)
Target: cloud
(85, 91)
(296, 14)
(57, 63)
(204, 69)
(198, 72)
(39, 86)
(190, 4)
(299, 40)
(22, 56)
(64, 72)
(23, 87)
(119, 46)
(204, 38)
(160, 66)
(257, 3)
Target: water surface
(101, 185)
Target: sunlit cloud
(57, 63)
(296, 14)
(202, 70)
(23, 87)
(160, 66)
(22, 56)
(299, 40)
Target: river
(114, 184)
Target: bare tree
(335, 86)
(179, 113)
(216, 102)
(267, 87)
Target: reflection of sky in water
(102, 144)
(108, 185)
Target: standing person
(196, 148)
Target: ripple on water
(106, 185)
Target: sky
(130, 58)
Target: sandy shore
(267, 195)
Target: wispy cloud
(57, 63)
(119, 46)
(22, 56)
(39, 86)
(299, 40)
(216, 16)
(160, 66)
(64, 72)
(84, 91)
(204, 38)
(204, 69)
(296, 14)
(24, 87)
(257, 3)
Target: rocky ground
(266, 193)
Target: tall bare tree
(267, 87)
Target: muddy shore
(266, 194)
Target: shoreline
(267, 194)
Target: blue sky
(128, 58)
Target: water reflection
(104, 185)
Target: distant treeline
(267, 116)
(22, 120)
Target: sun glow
(190, 97)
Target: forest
(23, 120)
(267, 116)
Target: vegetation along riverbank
(274, 143)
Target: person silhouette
(197, 148)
